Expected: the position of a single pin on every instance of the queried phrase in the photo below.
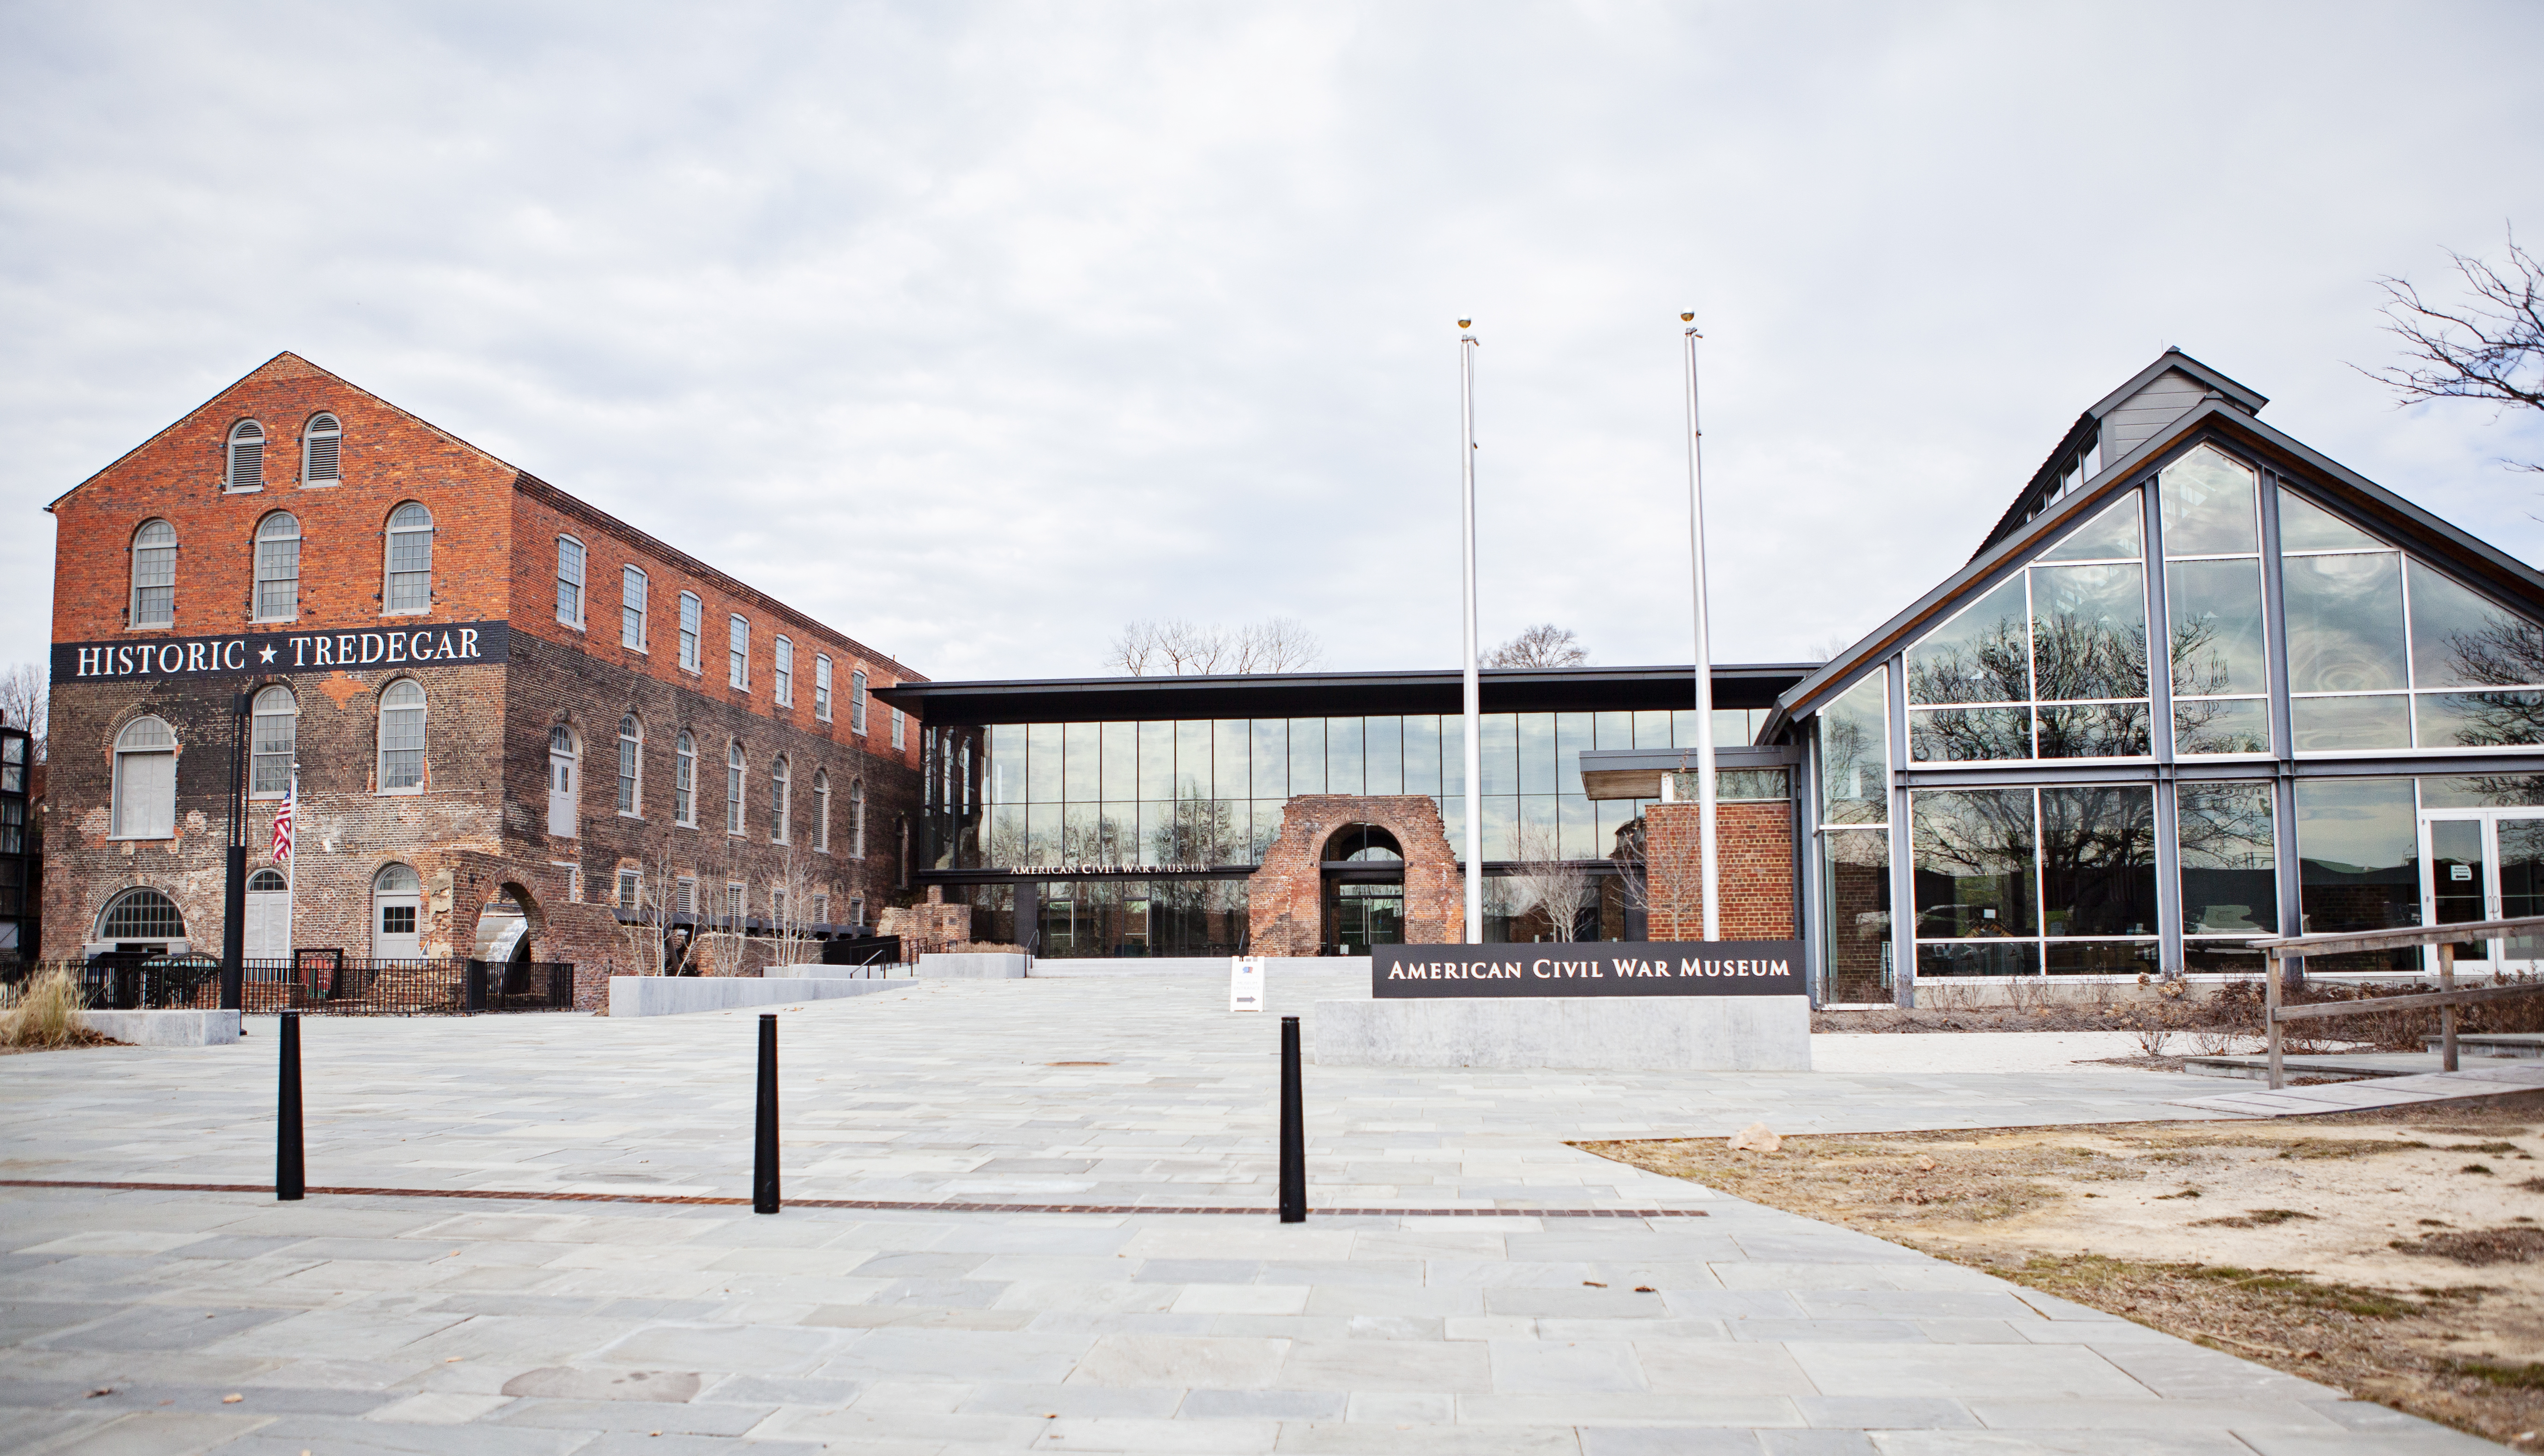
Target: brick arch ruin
(1284, 898)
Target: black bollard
(291, 1176)
(1293, 1129)
(764, 1163)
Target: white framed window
(857, 820)
(782, 672)
(140, 914)
(631, 889)
(689, 612)
(401, 769)
(822, 811)
(244, 469)
(322, 443)
(821, 909)
(408, 582)
(145, 780)
(565, 783)
(737, 663)
(733, 769)
(780, 786)
(777, 907)
(631, 608)
(684, 894)
(569, 582)
(899, 729)
(685, 782)
(822, 686)
(734, 891)
(631, 750)
(154, 575)
(277, 567)
(273, 735)
(857, 703)
(856, 909)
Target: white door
(561, 786)
(2484, 863)
(393, 928)
(268, 917)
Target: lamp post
(1474, 748)
(1705, 792)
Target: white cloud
(976, 331)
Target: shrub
(43, 1011)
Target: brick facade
(1284, 898)
(479, 827)
(1755, 842)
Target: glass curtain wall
(1208, 793)
(2016, 881)
(1854, 760)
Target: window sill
(625, 647)
(242, 489)
(141, 838)
(317, 485)
(562, 622)
(409, 612)
(151, 627)
(631, 814)
(414, 792)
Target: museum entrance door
(1364, 890)
(2484, 863)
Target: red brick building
(518, 723)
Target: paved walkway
(2494, 1076)
(428, 1323)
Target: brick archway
(1284, 898)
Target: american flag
(283, 823)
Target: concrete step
(2344, 1065)
(2525, 1044)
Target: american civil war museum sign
(1589, 968)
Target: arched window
(154, 575)
(273, 741)
(780, 786)
(631, 608)
(266, 882)
(569, 582)
(246, 457)
(631, 744)
(145, 780)
(564, 792)
(401, 768)
(277, 567)
(140, 914)
(397, 902)
(733, 766)
(822, 811)
(410, 576)
(685, 782)
(320, 449)
(857, 820)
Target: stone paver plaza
(413, 1324)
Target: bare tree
(1671, 889)
(2489, 347)
(1176, 648)
(1541, 645)
(647, 925)
(790, 912)
(23, 701)
(1548, 884)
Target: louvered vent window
(319, 446)
(410, 558)
(247, 456)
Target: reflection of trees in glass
(2079, 652)
(1992, 665)
(2087, 646)
(1969, 735)
(1198, 830)
(2094, 730)
(2097, 860)
(1974, 852)
(1854, 758)
(2504, 652)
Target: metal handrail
(2447, 998)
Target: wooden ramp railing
(2446, 936)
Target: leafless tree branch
(1176, 648)
(23, 701)
(1541, 645)
(2492, 347)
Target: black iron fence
(327, 982)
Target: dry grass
(2307, 1245)
(42, 1012)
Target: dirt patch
(2361, 1250)
(80, 1037)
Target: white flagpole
(1475, 754)
(291, 879)
(1704, 647)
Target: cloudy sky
(980, 329)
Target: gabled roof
(2484, 567)
(2119, 434)
(284, 365)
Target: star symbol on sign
(265, 654)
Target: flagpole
(1704, 788)
(291, 880)
(1474, 748)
